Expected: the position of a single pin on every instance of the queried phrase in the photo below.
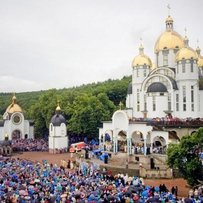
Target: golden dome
(186, 52)
(200, 62)
(141, 59)
(13, 107)
(169, 40)
(200, 58)
(58, 108)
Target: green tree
(185, 157)
(40, 105)
(87, 112)
(42, 111)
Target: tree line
(84, 107)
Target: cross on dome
(169, 8)
(141, 48)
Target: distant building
(163, 100)
(14, 125)
(58, 139)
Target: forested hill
(84, 107)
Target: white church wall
(57, 143)
(163, 134)
(140, 127)
(129, 101)
(188, 112)
(200, 106)
(31, 132)
(7, 129)
(107, 126)
(171, 59)
(57, 131)
(161, 105)
(51, 130)
(129, 111)
(120, 120)
(26, 129)
(63, 129)
(187, 74)
(1, 133)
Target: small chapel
(58, 139)
(14, 125)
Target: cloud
(57, 44)
(15, 84)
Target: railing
(179, 124)
(196, 123)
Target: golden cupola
(169, 39)
(186, 53)
(200, 58)
(13, 107)
(58, 108)
(141, 59)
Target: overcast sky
(48, 44)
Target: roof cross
(169, 8)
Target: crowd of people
(27, 182)
(29, 145)
(24, 181)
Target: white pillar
(114, 141)
(145, 144)
(103, 141)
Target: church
(14, 125)
(163, 101)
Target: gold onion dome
(200, 58)
(58, 108)
(141, 59)
(186, 52)
(169, 39)
(200, 62)
(13, 107)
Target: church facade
(58, 139)
(163, 100)
(14, 125)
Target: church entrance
(159, 145)
(122, 141)
(16, 134)
(138, 142)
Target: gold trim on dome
(58, 108)
(13, 107)
(141, 60)
(186, 53)
(200, 62)
(169, 40)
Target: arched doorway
(16, 134)
(173, 137)
(138, 142)
(159, 145)
(122, 141)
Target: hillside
(96, 101)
